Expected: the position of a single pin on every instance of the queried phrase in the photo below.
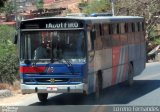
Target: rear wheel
(42, 97)
(130, 75)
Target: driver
(40, 52)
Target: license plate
(52, 89)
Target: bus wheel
(42, 97)
(98, 86)
(130, 74)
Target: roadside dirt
(15, 100)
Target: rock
(5, 93)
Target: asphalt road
(145, 91)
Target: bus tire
(130, 74)
(98, 86)
(42, 97)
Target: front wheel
(42, 97)
(98, 87)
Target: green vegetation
(7, 9)
(8, 55)
(2, 2)
(39, 4)
(96, 6)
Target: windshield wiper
(68, 64)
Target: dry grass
(14, 87)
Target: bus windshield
(52, 44)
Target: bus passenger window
(129, 27)
(97, 28)
(106, 39)
(126, 27)
(106, 29)
(139, 26)
(136, 27)
(142, 26)
(101, 31)
(133, 27)
(110, 29)
(122, 28)
(115, 28)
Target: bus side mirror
(15, 39)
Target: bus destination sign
(62, 25)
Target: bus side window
(106, 38)
(129, 27)
(123, 38)
(98, 39)
(130, 36)
(139, 26)
(136, 27)
(133, 27)
(115, 28)
(115, 37)
(126, 27)
(142, 26)
(91, 38)
(122, 28)
(137, 35)
(110, 29)
(97, 28)
(142, 31)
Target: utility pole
(112, 2)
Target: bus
(79, 54)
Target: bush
(96, 6)
(8, 55)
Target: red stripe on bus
(125, 66)
(115, 62)
(26, 69)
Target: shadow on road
(118, 94)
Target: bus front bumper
(27, 89)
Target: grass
(14, 87)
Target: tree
(39, 4)
(2, 2)
(149, 9)
(8, 9)
(96, 6)
(8, 55)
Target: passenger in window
(57, 49)
(40, 52)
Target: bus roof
(99, 19)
